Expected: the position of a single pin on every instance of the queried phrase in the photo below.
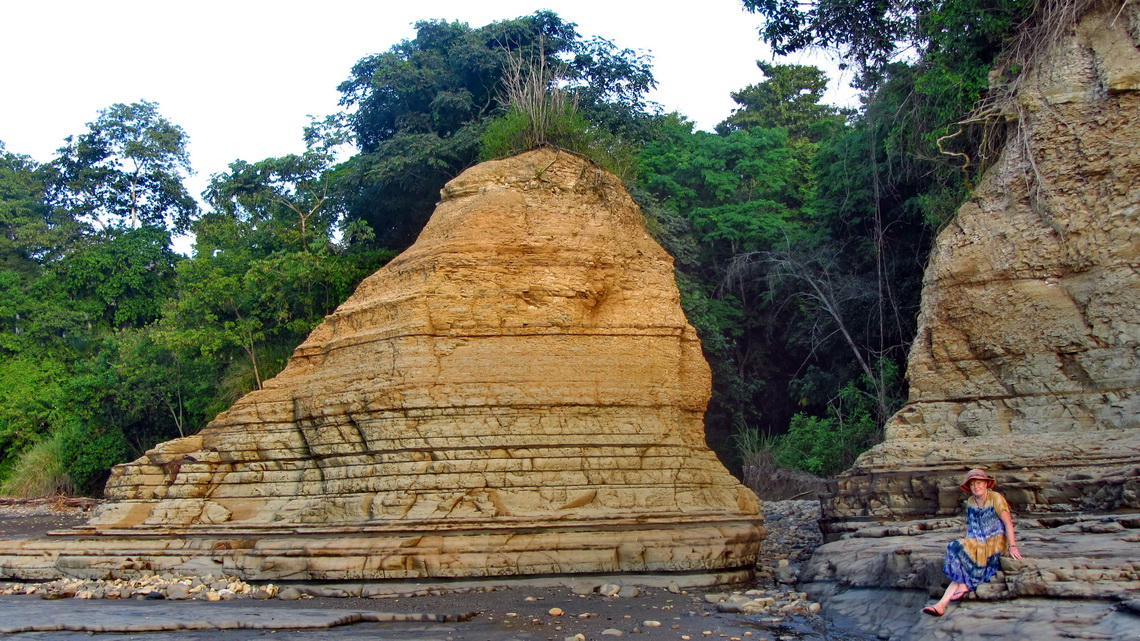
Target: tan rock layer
(517, 393)
(1027, 358)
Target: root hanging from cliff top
(1000, 115)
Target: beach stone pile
(793, 534)
(156, 586)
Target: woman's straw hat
(977, 474)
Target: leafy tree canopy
(127, 170)
(285, 202)
(789, 98)
(30, 231)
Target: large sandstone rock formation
(517, 394)
(1027, 363)
(1027, 358)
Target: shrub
(39, 471)
(89, 452)
(829, 444)
(539, 113)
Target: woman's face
(978, 487)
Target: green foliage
(866, 31)
(30, 231)
(39, 471)
(787, 99)
(110, 341)
(514, 133)
(120, 278)
(723, 195)
(958, 42)
(288, 202)
(422, 107)
(738, 190)
(30, 400)
(89, 451)
(750, 444)
(232, 303)
(127, 170)
(827, 445)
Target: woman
(989, 532)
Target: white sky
(241, 76)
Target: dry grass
(530, 87)
(1049, 23)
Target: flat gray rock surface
(1024, 619)
(21, 615)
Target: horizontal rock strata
(517, 394)
(1027, 357)
(1027, 364)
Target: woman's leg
(954, 591)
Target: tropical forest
(799, 230)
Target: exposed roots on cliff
(1048, 24)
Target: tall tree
(789, 98)
(289, 202)
(127, 170)
(31, 232)
(737, 192)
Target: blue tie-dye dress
(977, 558)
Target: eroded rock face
(1027, 364)
(519, 393)
(1027, 358)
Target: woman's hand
(1007, 520)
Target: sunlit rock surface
(517, 394)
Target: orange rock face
(518, 393)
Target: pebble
(609, 589)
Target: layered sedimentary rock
(1027, 363)
(517, 394)
(1027, 358)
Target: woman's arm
(1007, 520)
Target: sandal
(932, 610)
(961, 593)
